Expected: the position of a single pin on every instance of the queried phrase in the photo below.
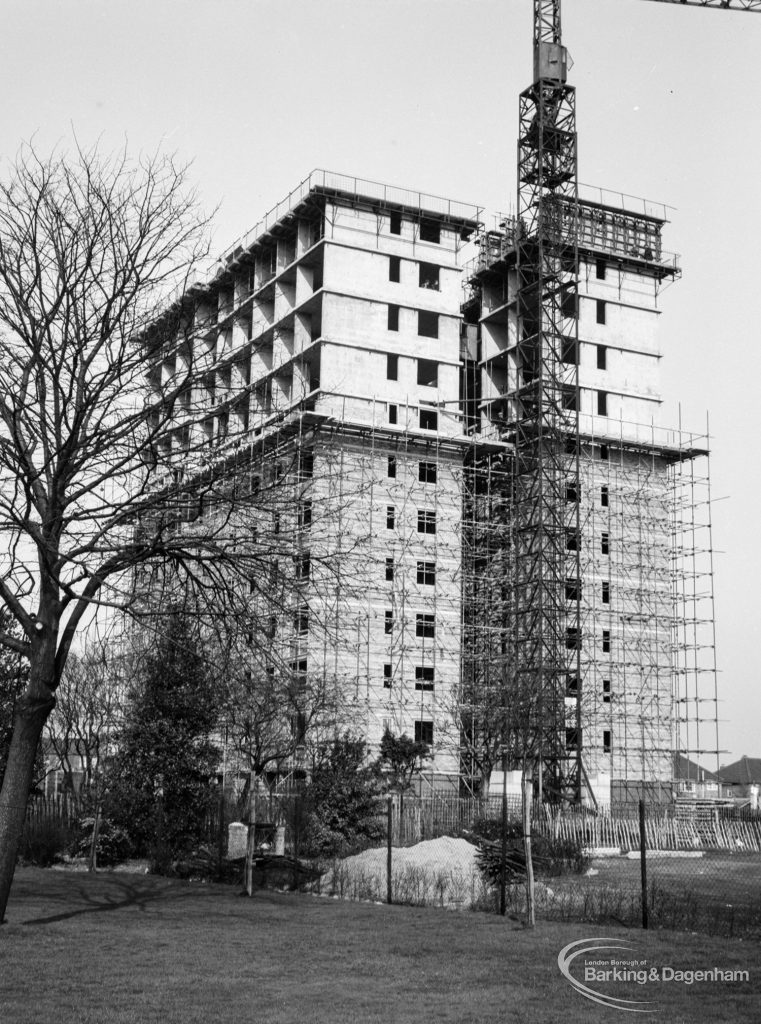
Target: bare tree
(90, 247)
(501, 727)
(86, 713)
(483, 721)
(271, 709)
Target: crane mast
(542, 421)
(546, 22)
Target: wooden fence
(415, 819)
(60, 810)
(677, 828)
(662, 832)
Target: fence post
(296, 838)
(93, 861)
(221, 833)
(248, 878)
(643, 860)
(503, 865)
(159, 811)
(527, 784)
(389, 824)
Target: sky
(424, 94)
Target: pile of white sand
(439, 872)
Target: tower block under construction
(622, 558)
(338, 356)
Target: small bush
(113, 845)
(550, 856)
(338, 812)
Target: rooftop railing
(358, 188)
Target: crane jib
(727, 5)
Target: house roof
(687, 770)
(743, 772)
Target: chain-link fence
(702, 865)
(701, 869)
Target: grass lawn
(716, 875)
(719, 893)
(137, 949)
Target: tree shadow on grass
(139, 895)
(144, 893)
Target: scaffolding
(584, 626)
(523, 570)
(693, 635)
(635, 593)
(368, 573)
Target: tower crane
(541, 416)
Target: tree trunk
(485, 780)
(29, 720)
(251, 838)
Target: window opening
(428, 373)
(425, 625)
(428, 276)
(572, 638)
(427, 324)
(430, 231)
(424, 733)
(426, 573)
(423, 677)
(426, 521)
(429, 419)
(569, 352)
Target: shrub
(113, 844)
(159, 784)
(550, 855)
(339, 810)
